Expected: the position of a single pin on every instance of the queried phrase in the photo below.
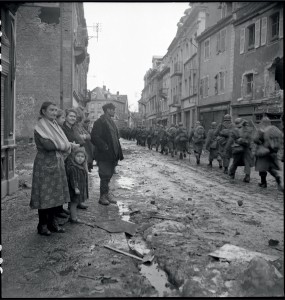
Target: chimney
(117, 93)
(104, 88)
(108, 90)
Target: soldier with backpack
(181, 140)
(222, 133)
(171, 132)
(198, 137)
(211, 145)
(268, 139)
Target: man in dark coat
(105, 137)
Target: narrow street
(183, 212)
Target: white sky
(131, 33)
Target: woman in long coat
(49, 183)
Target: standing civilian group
(64, 157)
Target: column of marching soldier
(247, 145)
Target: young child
(77, 176)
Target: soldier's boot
(280, 184)
(232, 176)
(226, 171)
(180, 156)
(197, 159)
(263, 183)
(110, 198)
(246, 178)
(172, 154)
(210, 164)
(184, 154)
(104, 199)
(104, 190)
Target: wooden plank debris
(123, 252)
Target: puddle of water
(156, 277)
(124, 211)
(125, 182)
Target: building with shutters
(52, 60)
(258, 62)
(216, 66)
(9, 179)
(101, 96)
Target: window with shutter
(263, 31)
(257, 34)
(223, 40)
(274, 26)
(242, 39)
(207, 49)
(216, 84)
(201, 88)
(251, 36)
(218, 43)
(206, 86)
(281, 24)
(222, 82)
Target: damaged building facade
(9, 179)
(52, 60)
(258, 63)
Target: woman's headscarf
(52, 131)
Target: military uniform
(268, 139)
(223, 134)
(171, 132)
(149, 137)
(211, 145)
(198, 137)
(181, 141)
(240, 143)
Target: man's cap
(108, 105)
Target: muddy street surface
(183, 212)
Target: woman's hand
(77, 192)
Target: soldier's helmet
(214, 125)
(239, 122)
(227, 117)
(180, 124)
(265, 121)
